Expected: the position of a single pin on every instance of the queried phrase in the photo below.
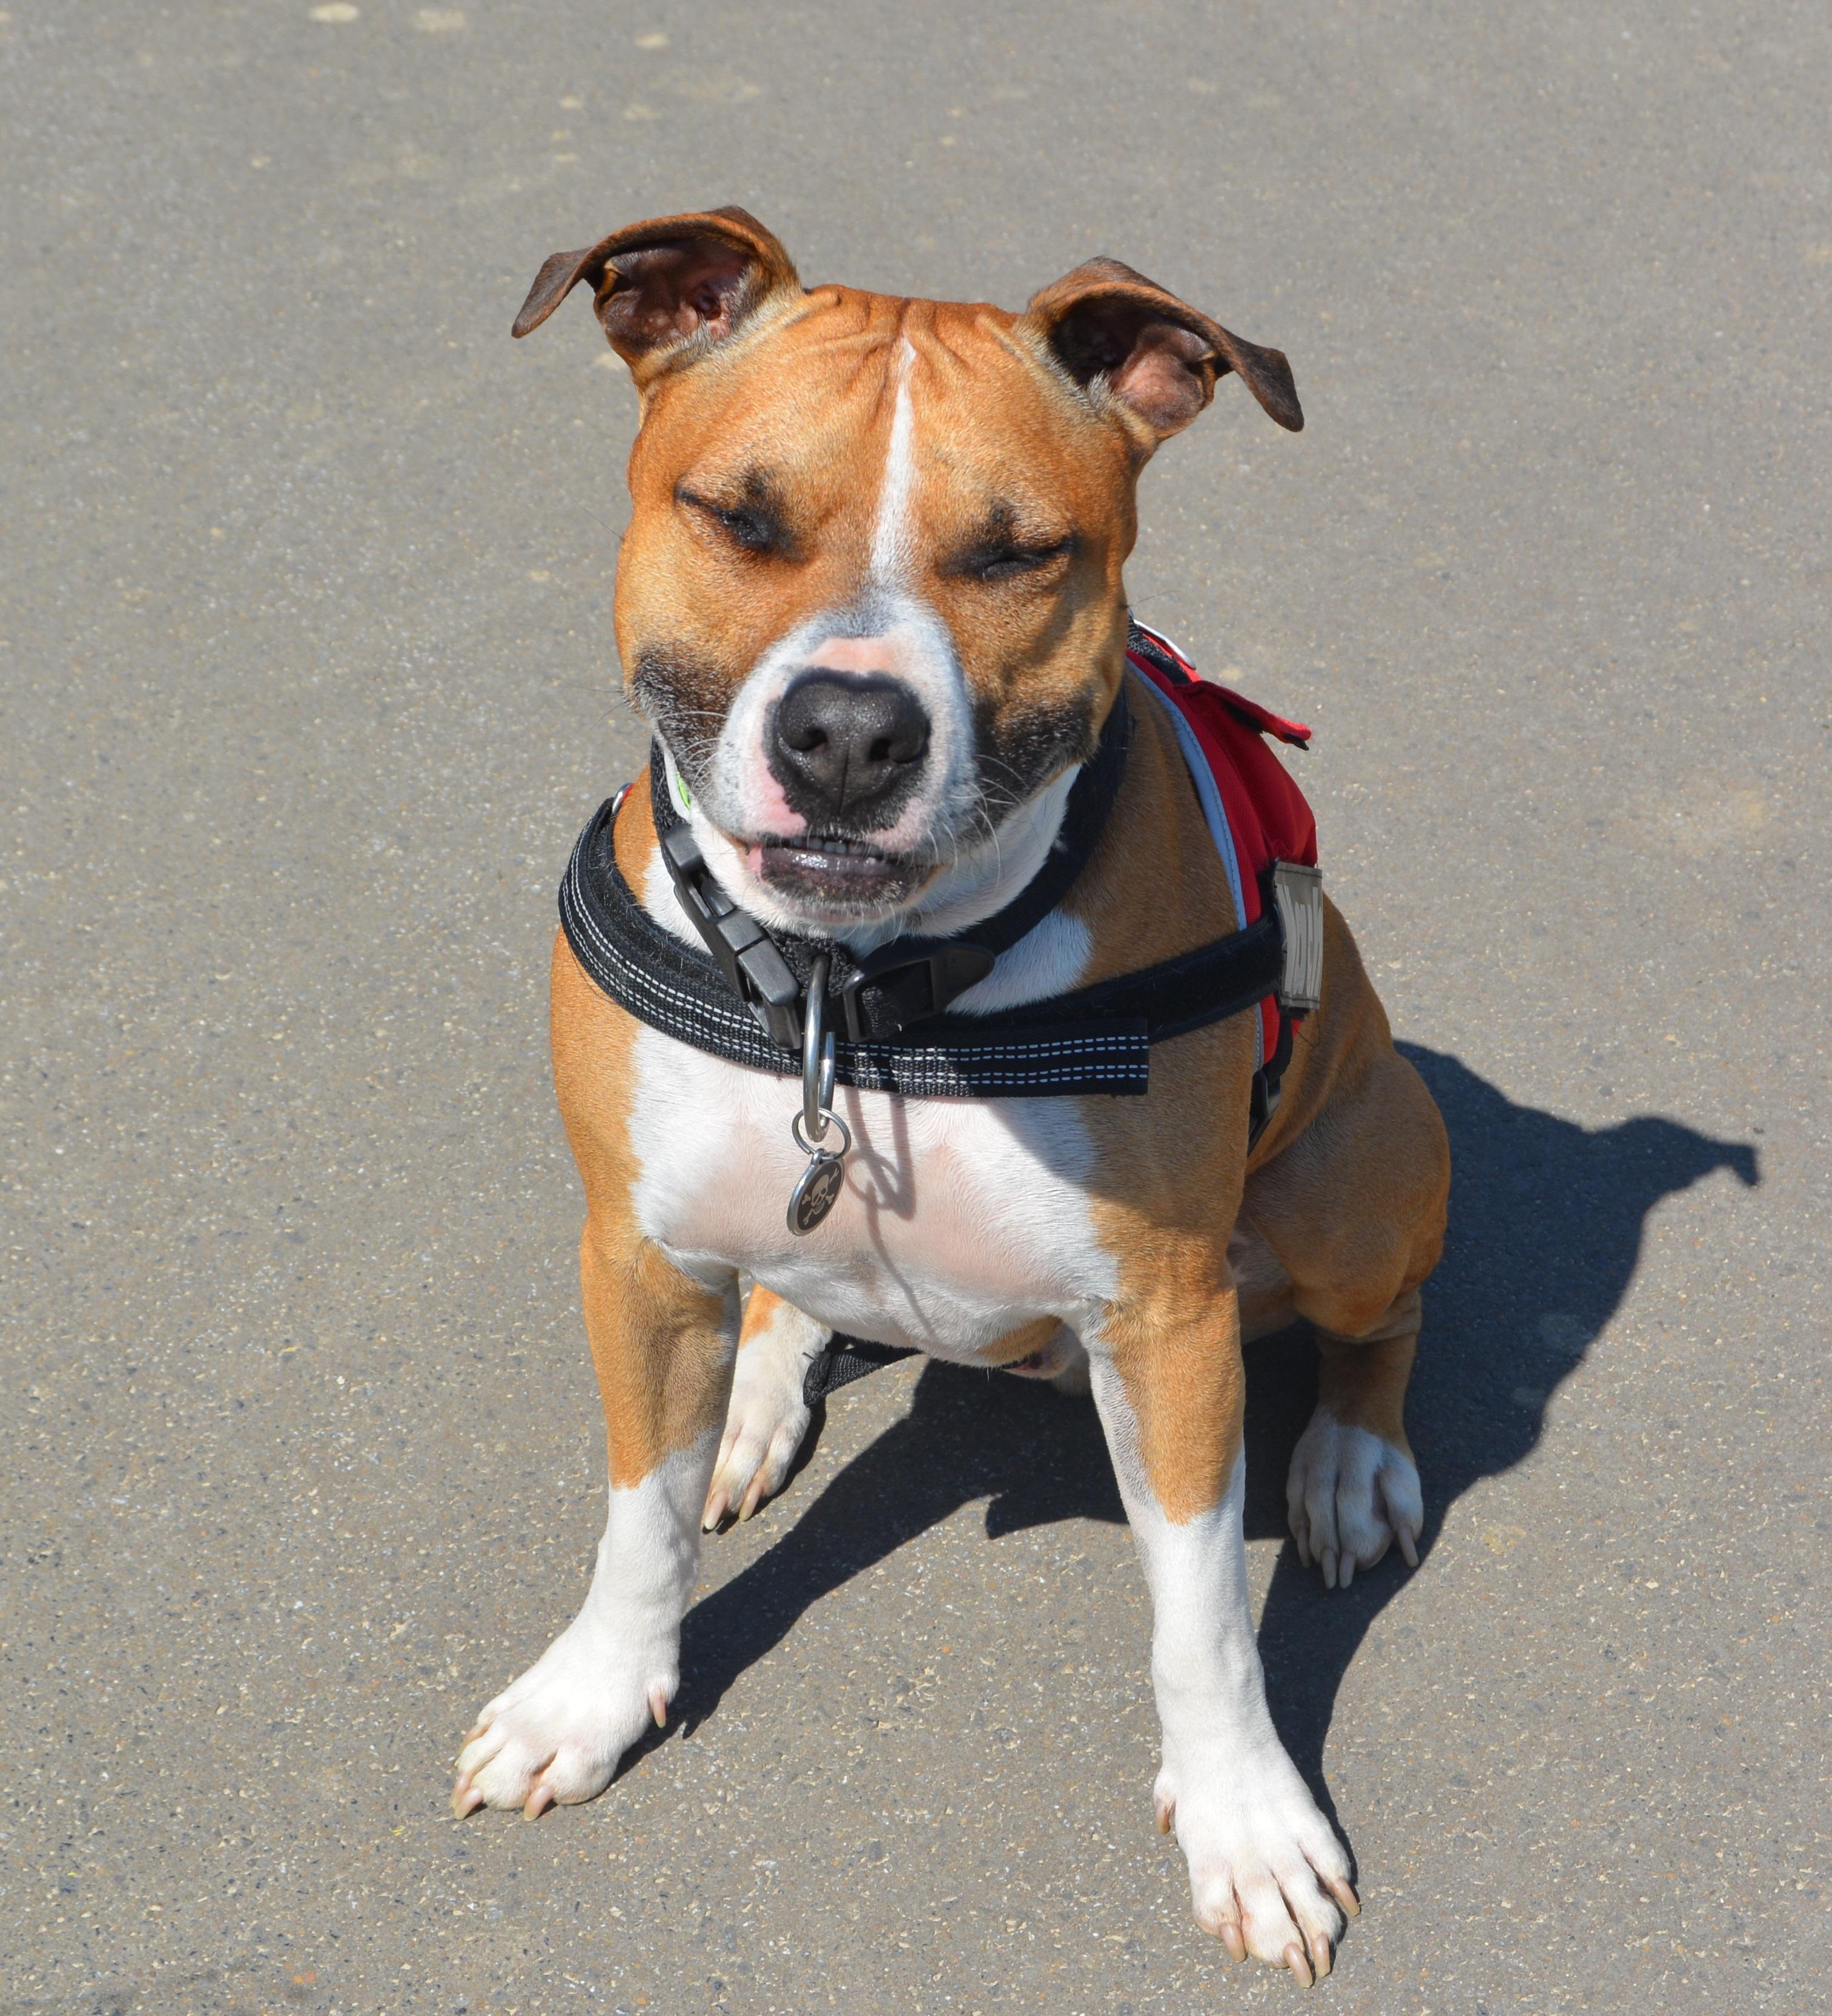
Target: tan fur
(1342, 1208)
(760, 1309)
(1019, 1344)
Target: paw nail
(1295, 1960)
(1234, 1942)
(1329, 1567)
(1346, 1575)
(1344, 1895)
(1408, 1546)
(658, 1704)
(1321, 1958)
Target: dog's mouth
(842, 878)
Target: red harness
(1256, 815)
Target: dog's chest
(958, 1223)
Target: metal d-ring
(808, 1148)
(817, 1060)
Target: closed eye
(752, 525)
(1008, 560)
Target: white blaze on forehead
(889, 543)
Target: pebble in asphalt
(309, 684)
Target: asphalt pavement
(308, 685)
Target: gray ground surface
(309, 684)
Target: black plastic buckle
(1262, 1102)
(1262, 1099)
(910, 978)
(747, 954)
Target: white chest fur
(958, 1222)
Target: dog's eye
(751, 525)
(1008, 561)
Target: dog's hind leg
(1353, 1487)
(1353, 1211)
(768, 1418)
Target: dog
(871, 603)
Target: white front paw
(767, 1418)
(557, 1733)
(1350, 1496)
(1267, 1874)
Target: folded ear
(1155, 357)
(674, 285)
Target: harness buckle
(747, 954)
(914, 978)
(1298, 896)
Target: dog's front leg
(768, 1419)
(1266, 1872)
(662, 1344)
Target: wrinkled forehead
(814, 402)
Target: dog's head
(870, 597)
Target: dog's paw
(767, 1418)
(1267, 1875)
(557, 1733)
(1350, 1496)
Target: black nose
(848, 746)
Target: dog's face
(871, 599)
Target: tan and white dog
(871, 602)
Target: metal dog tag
(813, 1196)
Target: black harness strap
(1096, 1039)
(842, 1360)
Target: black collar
(893, 1007)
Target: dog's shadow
(1545, 1227)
